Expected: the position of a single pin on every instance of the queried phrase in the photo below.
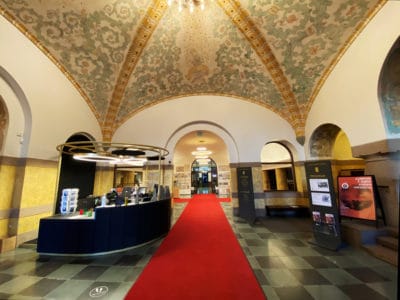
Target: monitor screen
(357, 197)
(86, 203)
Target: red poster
(356, 197)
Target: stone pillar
(259, 199)
(382, 159)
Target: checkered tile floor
(286, 265)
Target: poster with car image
(357, 197)
(319, 185)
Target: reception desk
(110, 229)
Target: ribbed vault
(124, 56)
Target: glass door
(204, 176)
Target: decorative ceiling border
(258, 42)
(46, 52)
(149, 23)
(360, 27)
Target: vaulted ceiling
(125, 55)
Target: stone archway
(322, 141)
(389, 90)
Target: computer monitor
(86, 203)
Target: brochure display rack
(69, 201)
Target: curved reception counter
(110, 229)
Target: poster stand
(359, 199)
(323, 204)
(246, 194)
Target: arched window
(75, 173)
(278, 168)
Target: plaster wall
(249, 125)
(58, 110)
(16, 121)
(349, 97)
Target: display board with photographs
(323, 204)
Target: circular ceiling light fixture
(95, 157)
(113, 153)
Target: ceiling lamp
(133, 161)
(113, 153)
(203, 161)
(201, 153)
(191, 4)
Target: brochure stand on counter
(324, 208)
(69, 201)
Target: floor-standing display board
(245, 194)
(324, 208)
(359, 198)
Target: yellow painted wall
(38, 190)
(281, 179)
(287, 200)
(103, 182)
(300, 174)
(342, 148)
(7, 178)
(39, 186)
(337, 166)
(257, 178)
(4, 228)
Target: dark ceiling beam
(149, 23)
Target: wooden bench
(287, 210)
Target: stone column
(382, 159)
(259, 199)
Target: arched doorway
(204, 176)
(75, 173)
(197, 157)
(330, 142)
(278, 168)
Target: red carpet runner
(199, 259)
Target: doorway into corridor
(204, 176)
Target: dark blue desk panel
(112, 229)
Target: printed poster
(356, 197)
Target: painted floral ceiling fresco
(125, 55)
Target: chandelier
(202, 155)
(113, 153)
(190, 4)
